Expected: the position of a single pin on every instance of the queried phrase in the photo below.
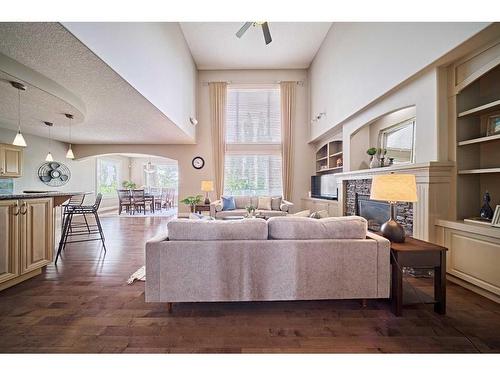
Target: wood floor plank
(85, 306)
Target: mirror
(398, 140)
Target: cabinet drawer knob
(16, 210)
(23, 212)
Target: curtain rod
(299, 83)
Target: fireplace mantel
(434, 187)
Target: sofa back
(213, 230)
(305, 228)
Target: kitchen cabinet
(11, 161)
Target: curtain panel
(287, 118)
(218, 98)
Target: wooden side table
(199, 208)
(418, 254)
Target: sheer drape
(218, 94)
(287, 115)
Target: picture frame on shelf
(493, 125)
(495, 222)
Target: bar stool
(75, 200)
(92, 229)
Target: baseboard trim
(20, 279)
(473, 288)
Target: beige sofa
(279, 207)
(284, 258)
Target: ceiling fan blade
(267, 33)
(244, 28)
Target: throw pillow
(228, 204)
(276, 203)
(305, 213)
(319, 214)
(264, 203)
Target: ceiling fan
(265, 30)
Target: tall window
(253, 141)
(108, 176)
(161, 175)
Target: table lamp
(207, 186)
(394, 188)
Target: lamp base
(207, 200)
(393, 231)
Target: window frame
(119, 164)
(254, 148)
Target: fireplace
(375, 212)
(357, 202)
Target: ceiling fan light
(69, 154)
(49, 157)
(19, 140)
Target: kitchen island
(27, 233)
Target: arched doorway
(120, 178)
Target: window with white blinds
(253, 138)
(253, 115)
(258, 175)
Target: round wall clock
(198, 162)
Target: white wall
(359, 62)
(153, 57)
(190, 178)
(82, 171)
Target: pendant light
(19, 139)
(49, 155)
(149, 167)
(69, 154)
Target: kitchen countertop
(42, 194)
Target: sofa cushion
(202, 230)
(276, 203)
(305, 228)
(242, 201)
(264, 203)
(237, 212)
(228, 203)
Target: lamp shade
(394, 188)
(207, 186)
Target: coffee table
(233, 217)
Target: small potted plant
(250, 210)
(374, 162)
(129, 185)
(192, 201)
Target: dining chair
(124, 200)
(139, 200)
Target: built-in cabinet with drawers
(11, 161)
(26, 238)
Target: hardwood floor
(85, 306)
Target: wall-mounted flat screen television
(324, 186)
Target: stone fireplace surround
(434, 184)
(360, 189)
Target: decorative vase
(374, 162)
(486, 211)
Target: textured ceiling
(116, 112)
(215, 46)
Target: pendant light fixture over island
(19, 139)
(69, 154)
(49, 155)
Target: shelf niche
(478, 152)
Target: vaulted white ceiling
(115, 111)
(215, 46)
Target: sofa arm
(383, 264)
(215, 207)
(286, 206)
